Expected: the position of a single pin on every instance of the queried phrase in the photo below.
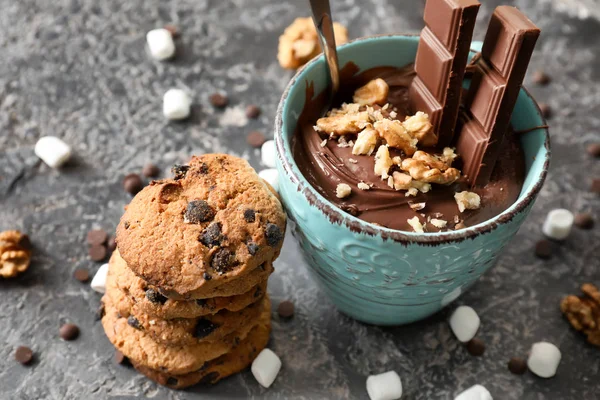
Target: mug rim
(357, 225)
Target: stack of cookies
(186, 293)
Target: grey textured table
(77, 69)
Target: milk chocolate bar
(441, 61)
(494, 89)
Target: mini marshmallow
(176, 104)
(265, 367)
(160, 44)
(476, 392)
(52, 151)
(544, 359)
(558, 224)
(99, 281)
(272, 176)
(464, 322)
(267, 153)
(386, 386)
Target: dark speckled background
(77, 69)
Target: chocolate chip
(593, 149)
(211, 235)
(222, 260)
(132, 184)
(256, 139)
(97, 253)
(201, 302)
(173, 30)
(273, 234)
(252, 248)
(541, 78)
(517, 366)
(544, 248)
(120, 358)
(179, 171)
(203, 168)
(198, 211)
(207, 276)
(252, 111)
(219, 100)
(134, 322)
(81, 274)
(595, 188)
(476, 347)
(249, 215)
(155, 297)
(150, 171)
(204, 328)
(97, 237)
(24, 355)
(111, 245)
(69, 332)
(351, 209)
(285, 309)
(172, 381)
(546, 110)
(584, 221)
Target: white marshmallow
(272, 176)
(267, 153)
(176, 104)
(386, 386)
(464, 322)
(476, 392)
(99, 281)
(544, 359)
(160, 44)
(52, 151)
(558, 224)
(265, 367)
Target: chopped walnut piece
(419, 127)
(400, 181)
(583, 312)
(432, 161)
(411, 192)
(363, 186)
(416, 206)
(415, 224)
(421, 186)
(397, 160)
(419, 170)
(343, 143)
(365, 142)
(299, 42)
(374, 92)
(396, 136)
(343, 190)
(344, 124)
(383, 162)
(14, 253)
(448, 156)
(438, 223)
(467, 200)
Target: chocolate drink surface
(326, 164)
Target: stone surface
(77, 69)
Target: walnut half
(583, 312)
(14, 253)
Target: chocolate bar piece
(494, 90)
(441, 62)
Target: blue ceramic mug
(379, 275)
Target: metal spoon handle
(324, 24)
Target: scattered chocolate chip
(273, 234)
(476, 347)
(207, 276)
(111, 245)
(541, 78)
(517, 366)
(252, 248)
(222, 260)
(209, 378)
(595, 185)
(543, 249)
(285, 309)
(204, 328)
(24, 355)
(179, 171)
(351, 209)
(201, 302)
(198, 211)
(593, 149)
(97, 253)
(97, 237)
(252, 111)
(132, 184)
(155, 297)
(546, 110)
(173, 30)
(584, 221)
(81, 274)
(120, 358)
(69, 332)
(219, 100)
(249, 215)
(150, 171)
(256, 139)
(211, 236)
(134, 322)
(172, 381)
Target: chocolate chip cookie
(146, 299)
